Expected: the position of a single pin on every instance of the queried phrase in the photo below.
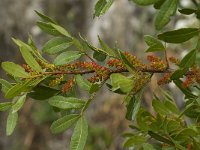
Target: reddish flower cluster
(46, 65)
(115, 63)
(27, 68)
(192, 77)
(134, 60)
(174, 60)
(165, 79)
(68, 85)
(156, 63)
(56, 81)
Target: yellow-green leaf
(66, 102)
(56, 45)
(29, 59)
(14, 70)
(166, 11)
(79, 136)
(64, 123)
(67, 57)
(11, 123)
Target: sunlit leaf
(167, 10)
(44, 17)
(79, 135)
(102, 7)
(56, 45)
(83, 83)
(154, 44)
(64, 123)
(30, 60)
(119, 81)
(61, 30)
(66, 102)
(11, 123)
(67, 57)
(5, 106)
(14, 69)
(19, 103)
(178, 36)
(145, 2)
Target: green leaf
(159, 107)
(46, 27)
(178, 36)
(5, 106)
(42, 93)
(5, 85)
(31, 47)
(22, 44)
(66, 102)
(147, 146)
(187, 11)
(172, 126)
(19, 103)
(94, 88)
(171, 106)
(11, 123)
(178, 73)
(61, 30)
(67, 57)
(14, 69)
(29, 59)
(102, 7)
(119, 81)
(186, 134)
(86, 44)
(135, 140)
(188, 60)
(80, 134)
(160, 138)
(106, 48)
(186, 91)
(143, 117)
(145, 2)
(56, 45)
(64, 123)
(158, 4)
(17, 89)
(99, 56)
(83, 83)
(167, 10)
(44, 17)
(155, 45)
(134, 105)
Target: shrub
(122, 72)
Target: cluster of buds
(156, 63)
(46, 65)
(27, 68)
(134, 60)
(192, 77)
(116, 63)
(140, 81)
(68, 85)
(56, 81)
(174, 60)
(101, 73)
(95, 78)
(165, 79)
